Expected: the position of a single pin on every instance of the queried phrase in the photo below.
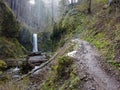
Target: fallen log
(41, 66)
(64, 48)
(35, 54)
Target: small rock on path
(89, 68)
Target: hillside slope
(94, 65)
(9, 31)
(100, 28)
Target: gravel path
(89, 68)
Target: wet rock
(93, 88)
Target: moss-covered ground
(100, 28)
(63, 76)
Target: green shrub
(67, 26)
(63, 76)
(44, 42)
(25, 38)
(3, 65)
(57, 35)
(10, 48)
(63, 68)
(72, 20)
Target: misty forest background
(57, 22)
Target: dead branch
(41, 66)
(66, 46)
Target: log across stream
(18, 67)
(33, 58)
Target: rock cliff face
(9, 31)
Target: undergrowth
(100, 28)
(63, 76)
(104, 33)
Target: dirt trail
(89, 68)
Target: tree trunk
(89, 6)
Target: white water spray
(35, 44)
(16, 69)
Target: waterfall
(35, 45)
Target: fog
(39, 15)
(36, 14)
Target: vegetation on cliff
(10, 27)
(9, 31)
(100, 27)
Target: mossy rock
(2, 64)
(10, 48)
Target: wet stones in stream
(33, 60)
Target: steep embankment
(101, 29)
(63, 74)
(79, 68)
(103, 32)
(9, 31)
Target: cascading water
(35, 45)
